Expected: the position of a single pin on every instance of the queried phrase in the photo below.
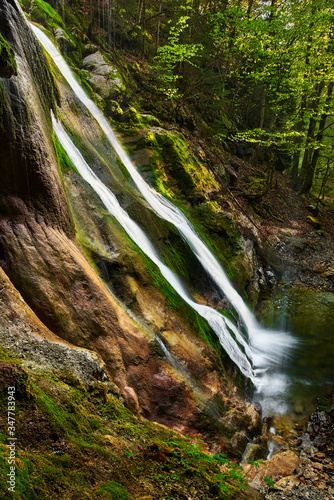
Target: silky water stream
(310, 316)
(262, 354)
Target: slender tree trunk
(313, 155)
(109, 23)
(323, 184)
(250, 7)
(261, 122)
(233, 31)
(306, 176)
(143, 29)
(224, 6)
(296, 156)
(158, 28)
(263, 97)
(139, 11)
(90, 27)
(295, 166)
(263, 108)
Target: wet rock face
(282, 464)
(24, 335)
(8, 66)
(29, 170)
(63, 42)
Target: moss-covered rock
(103, 77)
(43, 13)
(8, 67)
(112, 491)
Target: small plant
(256, 463)
(269, 482)
(323, 404)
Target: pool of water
(309, 369)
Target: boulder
(280, 466)
(103, 76)
(319, 268)
(253, 452)
(296, 244)
(64, 43)
(287, 483)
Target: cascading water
(213, 317)
(259, 356)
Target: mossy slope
(82, 443)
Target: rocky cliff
(40, 255)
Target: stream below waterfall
(309, 315)
(288, 360)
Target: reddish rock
(279, 466)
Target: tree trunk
(249, 8)
(323, 184)
(307, 172)
(90, 27)
(312, 163)
(158, 27)
(296, 156)
(261, 122)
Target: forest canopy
(254, 72)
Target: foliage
(247, 72)
(323, 404)
(171, 56)
(269, 482)
(50, 11)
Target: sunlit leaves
(171, 55)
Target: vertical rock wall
(28, 167)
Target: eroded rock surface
(102, 76)
(46, 265)
(24, 335)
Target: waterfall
(213, 317)
(257, 356)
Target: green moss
(25, 4)
(134, 116)
(217, 231)
(49, 11)
(150, 120)
(64, 162)
(113, 491)
(7, 356)
(113, 109)
(81, 427)
(323, 404)
(191, 318)
(181, 178)
(8, 65)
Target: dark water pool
(309, 316)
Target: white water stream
(259, 356)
